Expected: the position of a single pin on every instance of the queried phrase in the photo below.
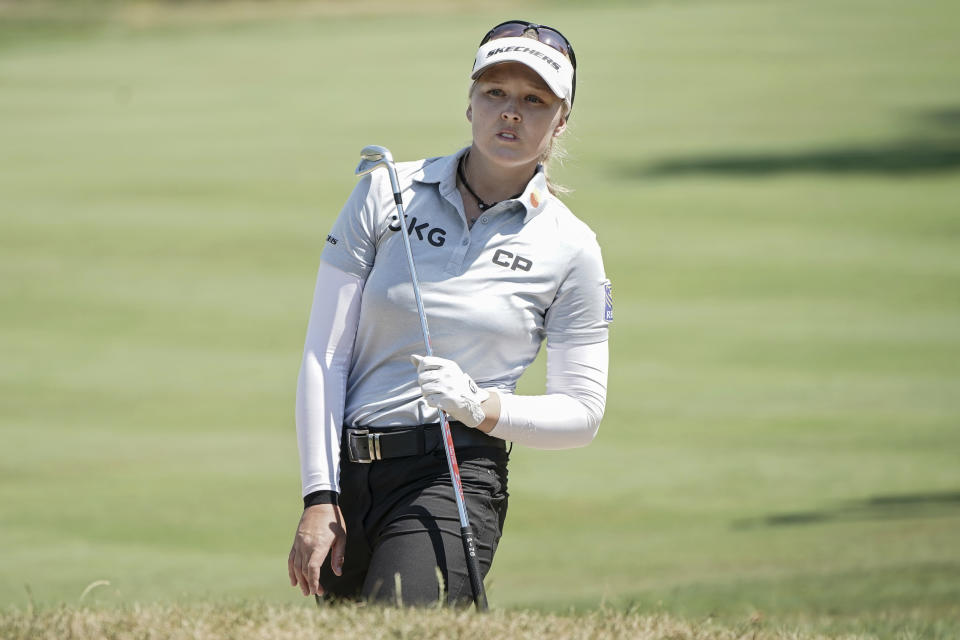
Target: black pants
(403, 527)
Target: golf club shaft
(466, 532)
(395, 184)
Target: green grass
(775, 189)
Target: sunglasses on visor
(547, 35)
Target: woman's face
(514, 115)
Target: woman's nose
(510, 113)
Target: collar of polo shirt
(443, 170)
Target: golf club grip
(473, 567)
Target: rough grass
(262, 621)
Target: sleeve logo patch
(331, 240)
(607, 301)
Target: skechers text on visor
(551, 65)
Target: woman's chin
(509, 155)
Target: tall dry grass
(270, 622)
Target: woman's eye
(495, 92)
(532, 98)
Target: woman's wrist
(491, 411)
(320, 497)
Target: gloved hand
(445, 386)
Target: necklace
(483, 206)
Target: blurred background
(776, 189)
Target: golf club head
(371, 157)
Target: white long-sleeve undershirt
(322, 383)
(567, 416)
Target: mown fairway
(776, 187)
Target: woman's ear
(561, 126)
(470, 114)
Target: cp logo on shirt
(502, 258)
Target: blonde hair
(555, 151)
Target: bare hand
(321, 530)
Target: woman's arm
(322, 383)
(321, 393)
(568, 415)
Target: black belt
(366, 444)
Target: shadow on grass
(935, 150)
(908, 506)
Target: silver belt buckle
(373, 446)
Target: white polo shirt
(527, 270)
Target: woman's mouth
(507, 135)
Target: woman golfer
(502, 265)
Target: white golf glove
(445, 386)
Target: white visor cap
(551, 65)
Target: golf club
(371, 157)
